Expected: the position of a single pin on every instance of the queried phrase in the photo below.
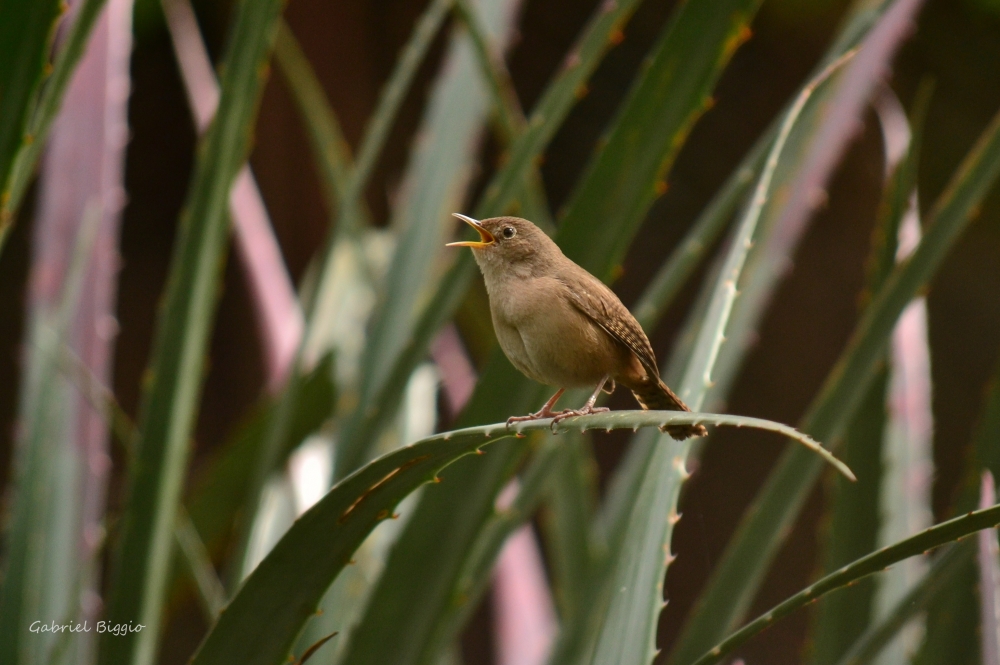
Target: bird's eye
(509, 232)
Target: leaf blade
(169, 404)
(935, 536)
(261, 623)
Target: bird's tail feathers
(653, 394)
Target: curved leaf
(261, 623)
(939, 577)
(936, 536)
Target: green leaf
(490, 58)
(26, 114)
(260, 624)
(36, 540)
(774, 246)
(559, 97)
(853, 525)
(777, 505)
(941, 574)
(952, 626)
(475, 577)
(953, 622)
(142, 559)
(349, 222)
(329, 147)
(574, 547)
(220, 488)
(511, 122)
(704, 233)
(26, 28)
(390, 100)
(936, 536)
(628, 174)
(210, 590)
(437, 176)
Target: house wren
(561, 326)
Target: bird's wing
(600, 304)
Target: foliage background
(353, 46)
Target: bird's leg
(587, 408)
(544, 412)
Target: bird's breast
(547, 338)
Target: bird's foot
(541, 414)
(569, 413)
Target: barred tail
(653, 394)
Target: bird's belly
(559, 348)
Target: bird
(561, 326)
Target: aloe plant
(354, 517)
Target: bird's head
(508, 243)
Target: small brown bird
(561, 326)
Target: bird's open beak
(485, 237)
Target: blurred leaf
(953, 621)
(329, 147)
(698, 241)
(573, 546)
(987, 441)
(348, 227)
(989, 580)
(365, 426)
(276, 306)
(347, 597)
(142, 558)
(559, 97)
(941, 574)
(45, 475)
(437, 176)
(936, 536)
(907, 458)
(778, 235)
(26, 28)
(511, 122)
(489, 55)
(475, 577)
(854, 526)
(907, 465)
(220, 486)
(390, 100)
(262, 621)
(27, 112)
(311, 651)
(628, 174)
(756, 540)
(952, 626)
(210, 590)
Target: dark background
(353, 46)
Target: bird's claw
(570, 413)
(538, 415)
